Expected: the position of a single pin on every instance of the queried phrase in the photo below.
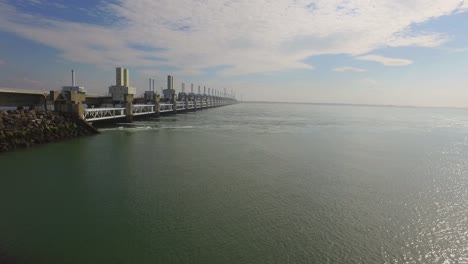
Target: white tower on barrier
(191, 95)
(149, 95)
(169, 93)
(122, 87)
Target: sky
(391, 52)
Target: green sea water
(247, 183)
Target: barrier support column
(76, 101)
(157, 107)
(174, 104)
(129, 107)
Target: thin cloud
(35, 2)
(464, 5)
(457, 50)
(349, 69)
(33, 82)
(369, 82)
(250, 37)
(387, 61)
(421, 40)
(24, 82)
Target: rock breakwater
(23, 128)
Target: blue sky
(397, 52)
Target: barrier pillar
(76, 101)
(174, 104)
(129, 107)
(157, 107)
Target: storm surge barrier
(120, 103)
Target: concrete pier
(157, 106)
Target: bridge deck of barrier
(165, 108)
(97, 114)
(143, 109)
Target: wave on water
(121, 128)
(144, 128)
(110, 129)
(177, 127)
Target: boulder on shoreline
(24, 128)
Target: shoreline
(26, 128)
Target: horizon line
(353, 104)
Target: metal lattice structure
(180, 105)
(165, 108)
(143, 109)
(95, 114)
